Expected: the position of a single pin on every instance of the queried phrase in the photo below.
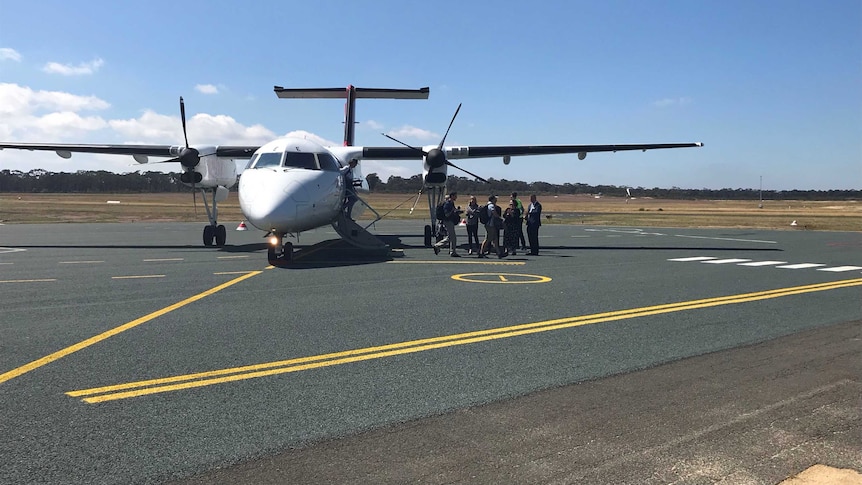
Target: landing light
(274, 241)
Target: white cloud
(373, 125)
(9, 54)
(59, 117)
(206, 89)
(28, 115)
(69, 70)
(663, 103)
(411, 132)
(150, 127)
(202, 128)
(21, 100)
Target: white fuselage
(290, 200)
(290, 186)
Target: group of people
(495, 219)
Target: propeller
(436, 157)
(188, 157)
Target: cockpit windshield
(291, 159)
(327, 162)
(265, 160)
(300, 160)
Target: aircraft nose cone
(258, 198)
(269, 199)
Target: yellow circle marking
(510, 278)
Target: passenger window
(268, 160)
(300, 160)
(327, 162)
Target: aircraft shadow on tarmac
(336, 253)
(243, 248)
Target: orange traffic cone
(241, 227)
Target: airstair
(357, 235)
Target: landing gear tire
(220, 235)
(272, 256)
(280, 255)
(209, 235)
(427, 236)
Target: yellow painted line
(137, 277)
(221, 273)
(117, 330)
(460, 261)
(508, 278)
(28, 281)
(188, 381)
(162, 259)
(80, 262)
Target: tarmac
(131, 354)
(742, 416)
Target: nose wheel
(279, 254)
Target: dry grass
(564, 209)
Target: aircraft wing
(460, 152)
(65, 150)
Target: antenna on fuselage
(351, 94)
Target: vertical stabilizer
(350, 95)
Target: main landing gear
(278, 253)
(214, 233)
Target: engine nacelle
(582, 155)
(434, 177)
(211, 172)
(507, 159)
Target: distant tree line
(462, 185)
(89, 182)
(42, 181)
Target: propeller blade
(183, 119)
(402, 143)
(465, 171)
(450, 127)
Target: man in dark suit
(534, 220)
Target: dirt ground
(845, 215)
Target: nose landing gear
(278, 253)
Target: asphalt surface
(129, 354)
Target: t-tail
(351, 94)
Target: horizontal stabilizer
(379, 93)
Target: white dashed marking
(840, 269)
(725, 261)
(763, 263)
(801, 266)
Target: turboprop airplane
(291, 185)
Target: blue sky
(773, 88)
